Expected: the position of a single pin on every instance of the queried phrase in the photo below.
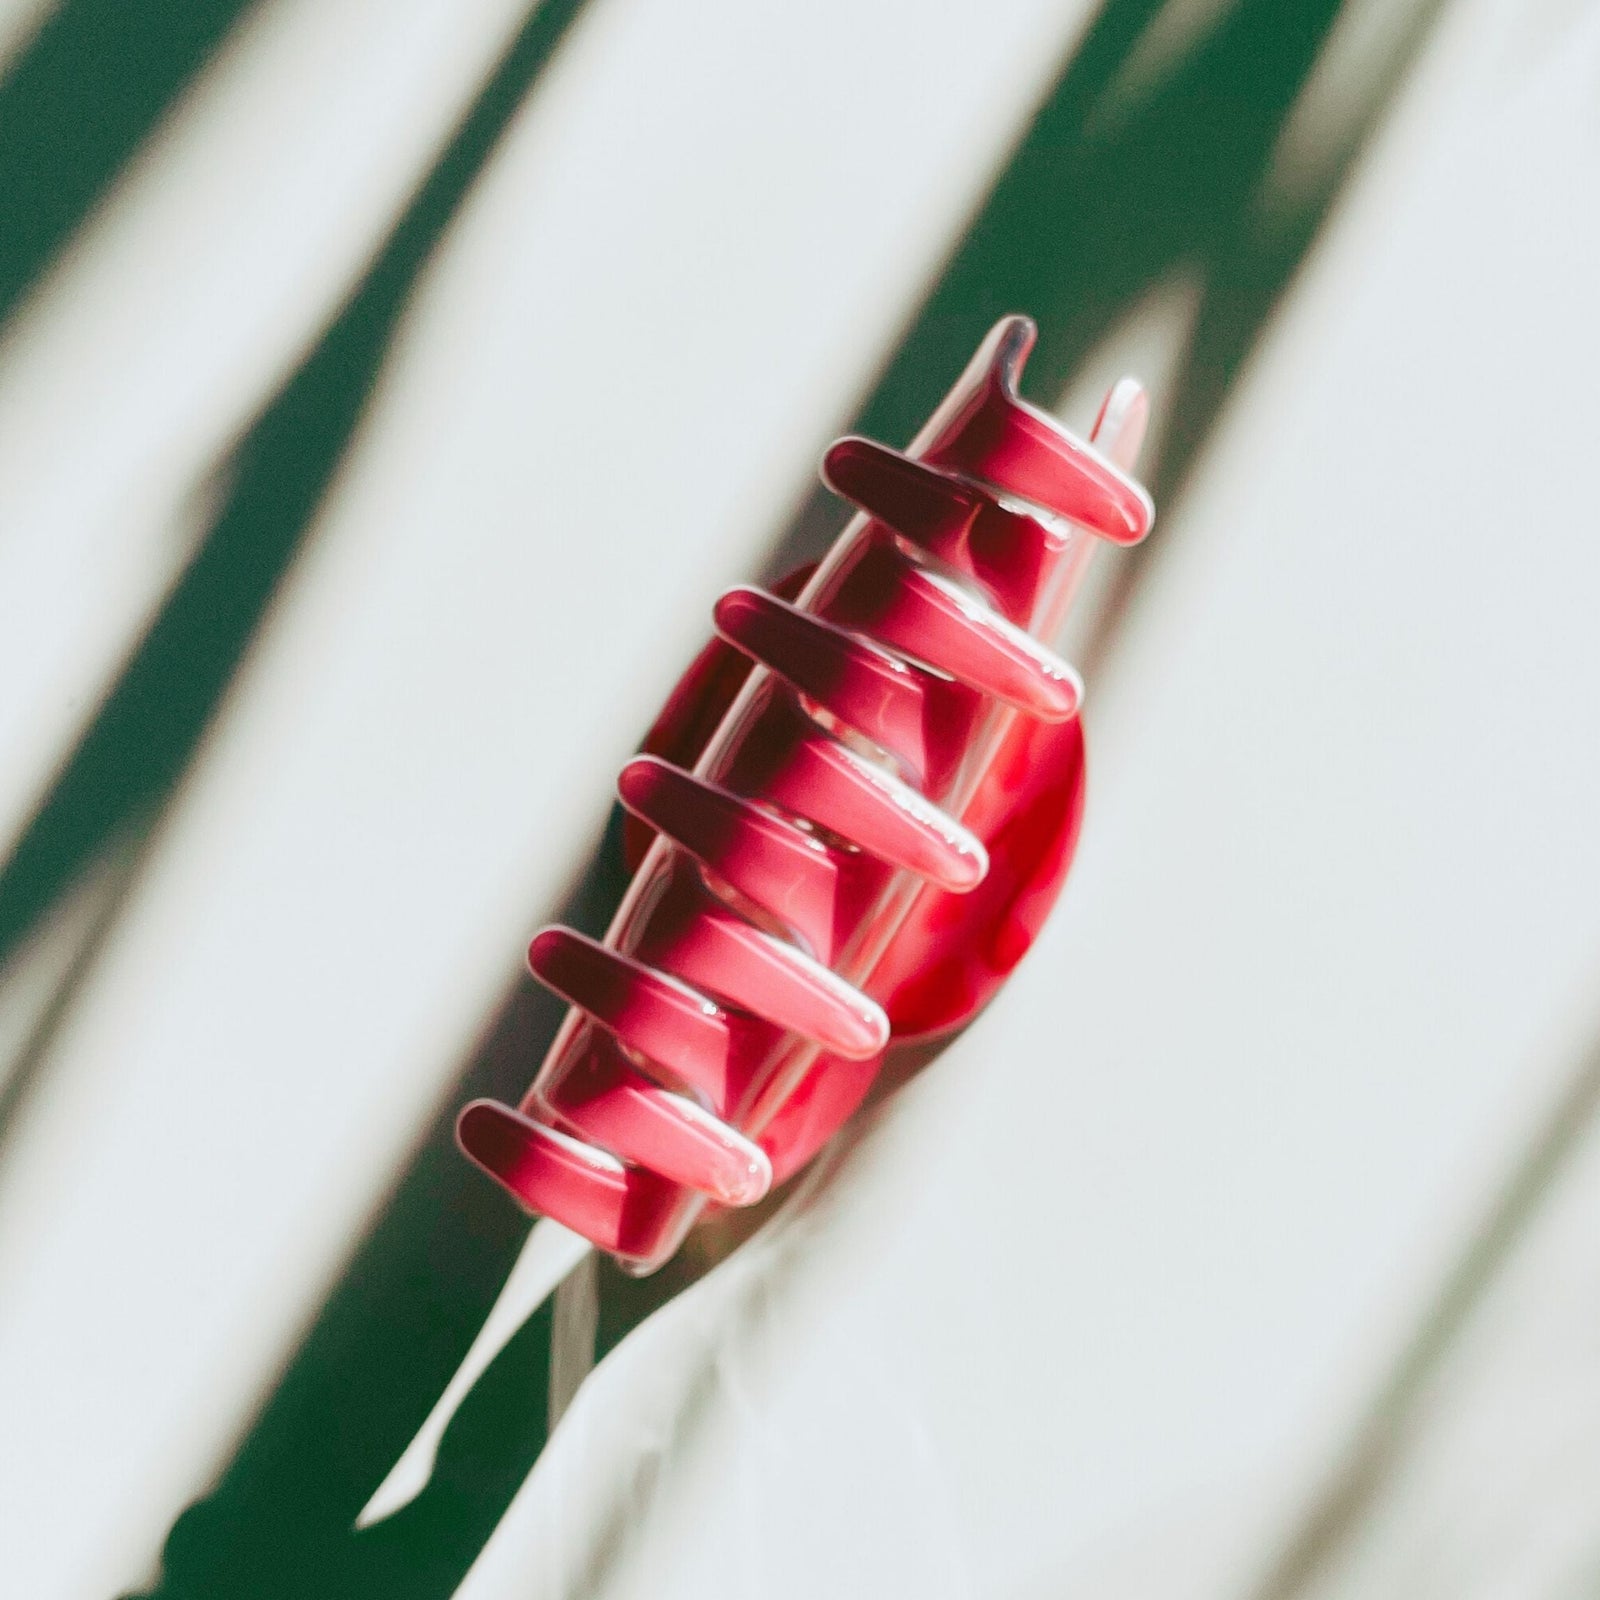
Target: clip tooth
(923, 504)
(658, 1016)
(792, 875)
(817, 777)
(549, 1172)
(989, 431)
(880, 696)
(1003, 549)
(920, 614)
(622, 1111)
(715, 950)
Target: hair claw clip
(851, 820)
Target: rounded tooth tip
(545, 945)
(843, 456)
(1066, 696)
(874, 1031)
(750, 1185)
(1120, 428)
(734, 603)
(637, 779)
(478, 1125)
(965, 867)
(1138, 514)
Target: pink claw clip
(852, 818)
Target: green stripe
(77, 103)
(144, 736)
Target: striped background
(385, 392)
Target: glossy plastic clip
(853, 816)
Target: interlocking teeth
(714, 990)
(654, 1014)
(918, 613)
(925, 506)
(790, 874)
(716, 950)
(619, 1109)
(1001, 439)
(818, 777)
(894, 704)
(549, 1171)
(1002, 547)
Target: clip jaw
(860, 803)
(986, 430)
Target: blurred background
(386, 391)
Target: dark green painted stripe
(77, 102)
(144, 735)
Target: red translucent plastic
(859, 804)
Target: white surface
(1489, 1488)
